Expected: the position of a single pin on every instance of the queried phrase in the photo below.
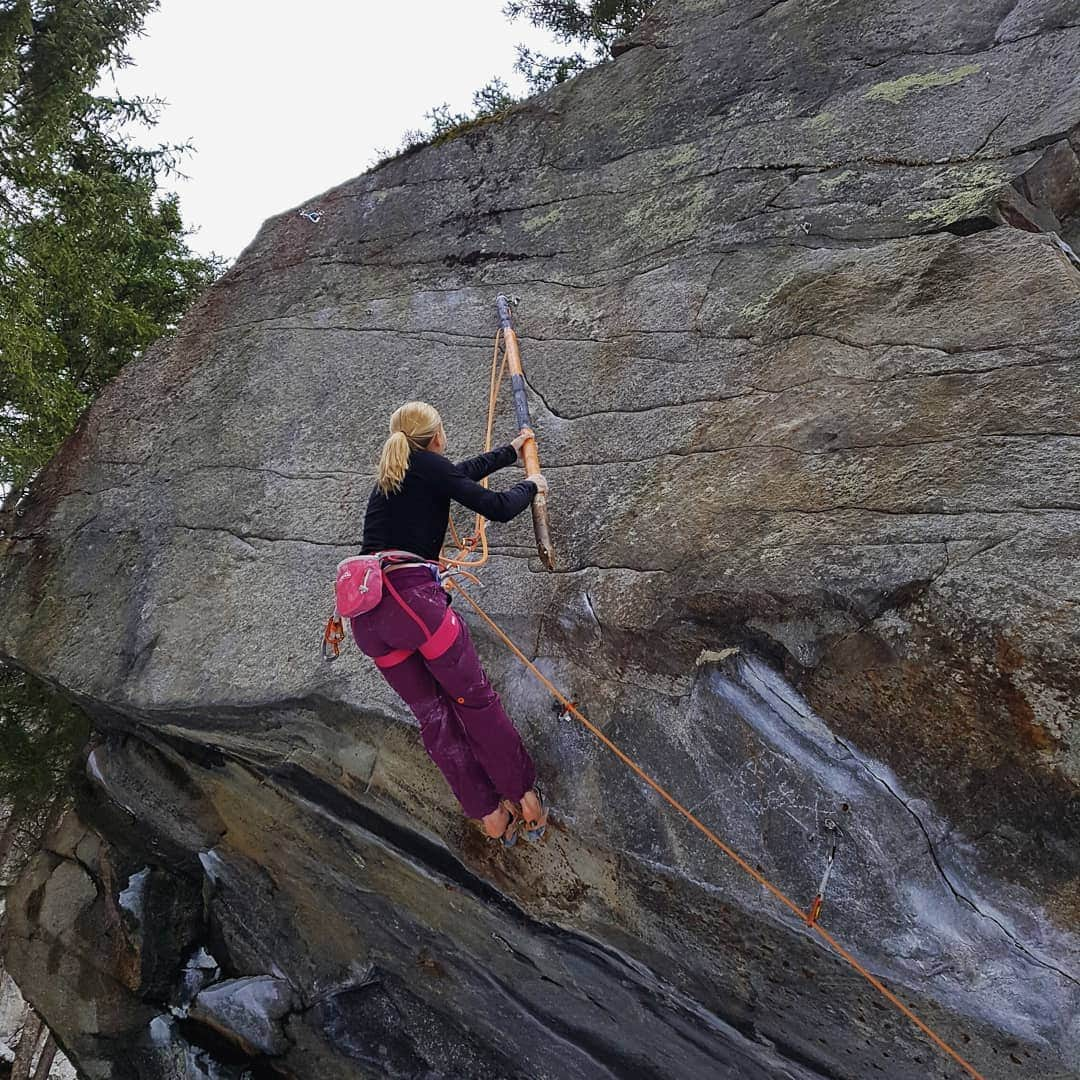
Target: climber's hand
(540, 481)
(519, 442)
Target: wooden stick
(529, 451)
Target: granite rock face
(800, 311)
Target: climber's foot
(534, 815)
(502, 824)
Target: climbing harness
(436, 641)
(358, 587)
(453, 566)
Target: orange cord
(810, 918)
(478, 537)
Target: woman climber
(419, 644)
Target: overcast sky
(283, 102)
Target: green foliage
(594, 24)
(543, 72)
(490, 102)
(493, 98)
(40, 736)
(93, 264)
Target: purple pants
(463, 725)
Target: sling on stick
(528, 451)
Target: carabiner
(333, 636)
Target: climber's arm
(495, 505)
(477, 468)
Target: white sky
(282, 103)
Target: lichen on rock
(898, 89)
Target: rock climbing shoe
(534, 828)
(513, 826)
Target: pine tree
(593, 25)
(94, 264)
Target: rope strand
(466, 546)
(478, 537)
(739, 861)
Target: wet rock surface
(800, 321)
(249, 1012)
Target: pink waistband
(436, 644)
(392, 659)
(443, 638)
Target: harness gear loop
(447, 575)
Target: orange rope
(728, 851)
(478, 537)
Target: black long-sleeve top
(415, 518)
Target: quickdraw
(472, 549)
(333, 636)
(819, 896)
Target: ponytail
(412, 427)
(393, 462)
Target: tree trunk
(8, 502)
(48, 1053)
(7, 837)
(28, 1044)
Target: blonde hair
(412, 427)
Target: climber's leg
(494, 738)
(443, 736)
(391, 638)
(446, 648)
